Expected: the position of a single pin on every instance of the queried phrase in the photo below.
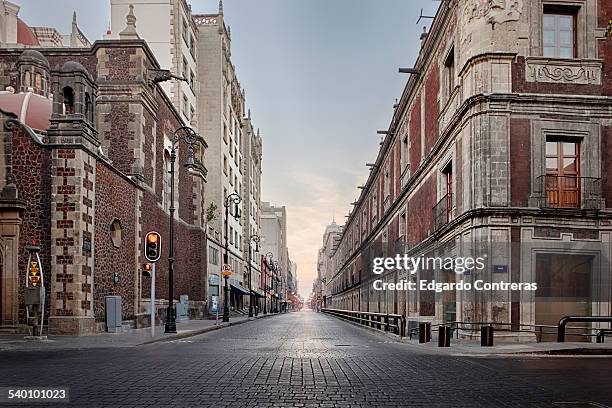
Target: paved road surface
(305, 360)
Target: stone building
(168, 28)
(225, 121)
(86, 135)
(325, 269)
(500, 146)
(274, 241)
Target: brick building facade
(499, 147)
(86, 135)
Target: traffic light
(147, 268)
(152, 247)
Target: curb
(197, 332)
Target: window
(402, 225)
(231, 176)
(225, 164)
(116, 233)
(185, 29)
(562, 173)
(225, 133)
(559, 32)
(185, 106)
(213, 255)
(68, 96)
(447, 186)
(231, 235)
(449, 73)
(185, 69)
(192, 117)
(192, 80)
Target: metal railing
(539, 330)
(388, 322)
(568, 191)
(580, 319)
(441, 212)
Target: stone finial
(74, 20)
(220, 6)
(249, 114)
(129, 32)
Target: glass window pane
(569, 165)
(569, 149)
(549, 52)
(566, 22)
(565, 38)
(551, 164)
(549, 37)
(551, 148)
(549, 21)
(566, 52)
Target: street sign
(227, 270)
(34, 273)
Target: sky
(320, 78)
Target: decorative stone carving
(494, 11)
(581, 72)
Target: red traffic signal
(152, 246)
(147, 268)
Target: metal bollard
(486, 336)
(424, 332)
(444, 336)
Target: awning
(238, 289)
(258, 294)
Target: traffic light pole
(153, 299)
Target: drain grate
(343, 345)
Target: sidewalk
(131, 338)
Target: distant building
(14, 32)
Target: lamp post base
(170, 326)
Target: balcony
(555, 191)
(441, 212)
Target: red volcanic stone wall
(419, 213)
(31, 165)
(115, 200)
(520, 161)
(120, 135)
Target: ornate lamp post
(188, 136)
(269, 256)
(234, 199)
(254, 238)
(275, 286)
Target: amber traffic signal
(147, 268)
(152, 247)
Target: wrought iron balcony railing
(441, 212)
(569, 192)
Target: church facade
(87, 136)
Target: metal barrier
(539, 330)
(395, 323)
(580, 319)
(603, 333)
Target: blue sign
(500, 268)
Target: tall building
(251, 195)
(168, 28)
(14, 32)
(274, 241)
(325, 266)
(499, 148)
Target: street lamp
(275, 286)
(234, 199)
(254, 238)
(269, 256)
(188, 136)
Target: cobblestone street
(305, 359)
